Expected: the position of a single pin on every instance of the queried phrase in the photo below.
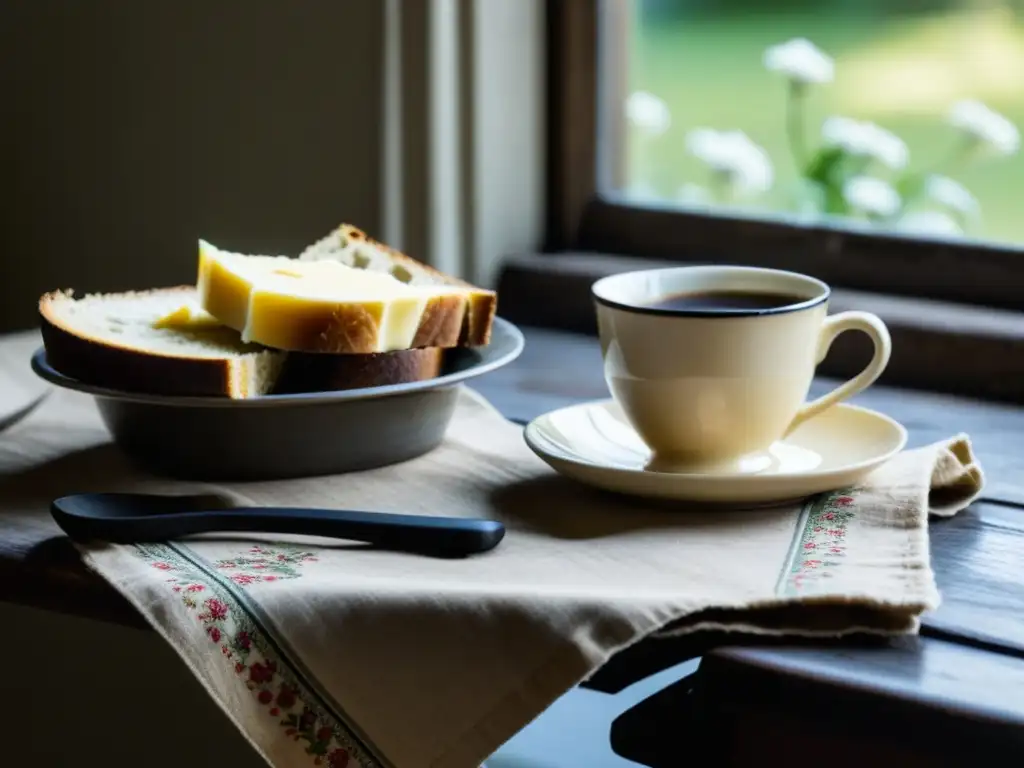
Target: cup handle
(832, 327)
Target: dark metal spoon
(138, 517)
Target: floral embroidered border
(209, 591)
(820, 545)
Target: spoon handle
(437, 536)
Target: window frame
(581, 217)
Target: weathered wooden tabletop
(924, 700)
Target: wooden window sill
(937, 346)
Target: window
(901, 115)
(875, 142)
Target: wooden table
(952, 696)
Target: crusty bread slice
(110, 340)
(351, 246)
(161, 342)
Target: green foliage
(703, 59)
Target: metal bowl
(296, 435)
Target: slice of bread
(352, 247)
(110, 340)
(162, 342)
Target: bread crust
(96, 361)
(448, 321)
(82, 356)
(481, 304)
(304, 372)
(355, 328)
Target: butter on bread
(352, 300)
(187, 316)
(352, 247)
(161, 342)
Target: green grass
(900, 72)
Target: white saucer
(593, 443)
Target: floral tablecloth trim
(214, 592)
(820, 543)
(260, 564)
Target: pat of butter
(185, 317)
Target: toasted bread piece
(351, 246)
(313, 372)
(110, 340)
(162, 342)
(325, 306)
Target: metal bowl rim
(507, 343)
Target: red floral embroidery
(260, 565)
(231, 630)
(262, 673)
(286, 697)
(216, 608)
(824, 536)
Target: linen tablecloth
(332, 653)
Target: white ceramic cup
(712, 390)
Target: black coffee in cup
(718, 301)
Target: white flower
(865, 139)
(951, 194)
(648, 113)
(745, 166)
(929, 223)
(801, 61)
(871, 196)
(985, 126)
